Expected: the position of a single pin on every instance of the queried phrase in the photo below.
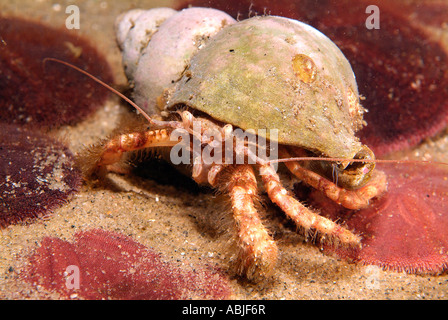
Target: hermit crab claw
(351, 174)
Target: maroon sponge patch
(47, 94)
(100, 264)
(36, 174)
(404, 230)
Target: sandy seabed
(176, 221)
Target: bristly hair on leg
(87, 160)
(88, 157)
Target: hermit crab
(226, 97)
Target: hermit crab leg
(351, 199)
(257, 252)
(303, 217)
(111, 151)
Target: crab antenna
(354, 160)
(104, 85)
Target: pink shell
(168, 51)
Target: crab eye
(365, 153)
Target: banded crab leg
(110, 151)
(351, 199)
(303, 217)
(257, 250)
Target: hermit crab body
(273, 72)
(202, 72)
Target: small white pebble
(57, 7)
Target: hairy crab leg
(302, 216)
(111, 151)
(351, 199)
(258, 252)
